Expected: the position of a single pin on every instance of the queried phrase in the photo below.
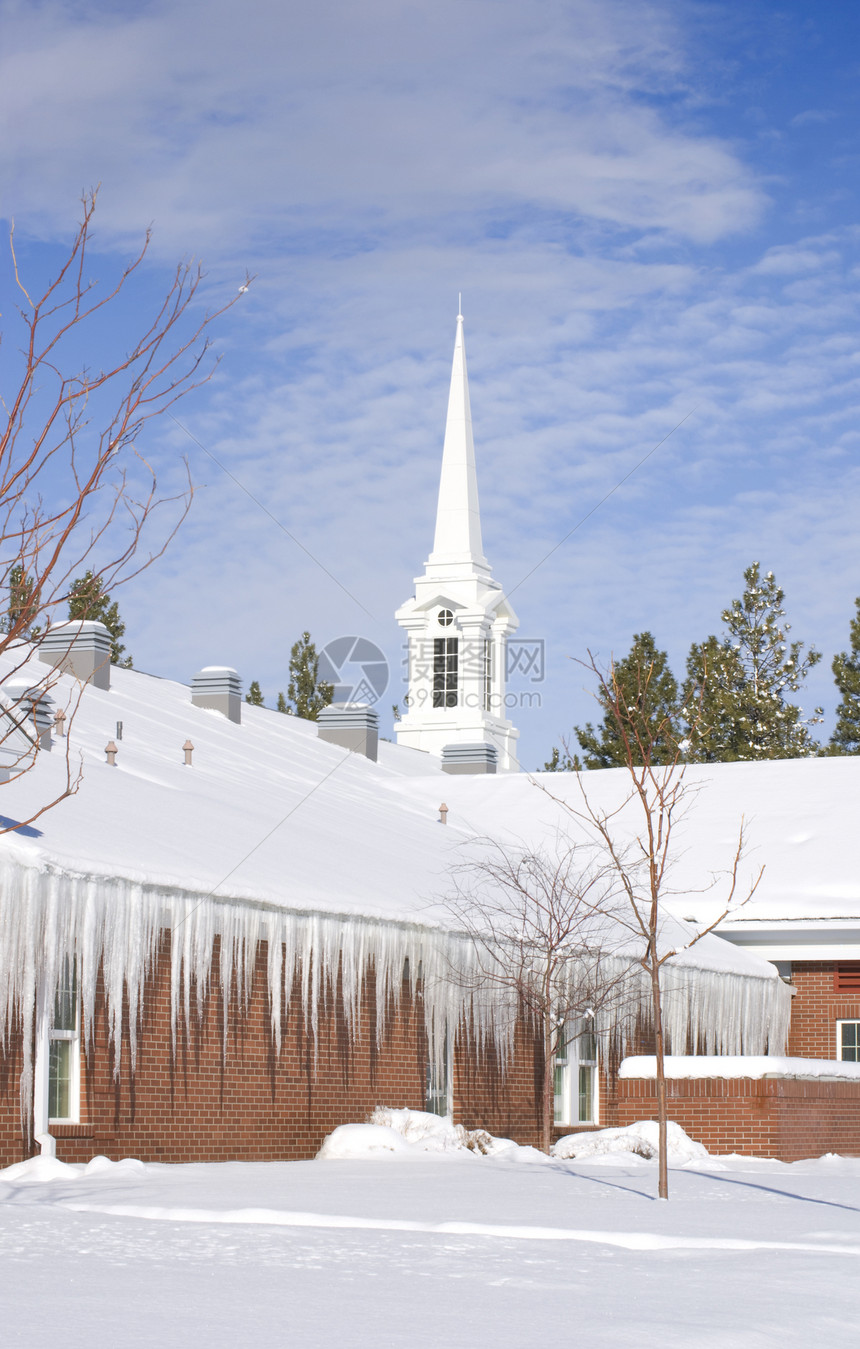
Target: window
(575, 1082)
(445, 617)
(64, 1056)
(445, 660)
(488, 673)
(437, 1083)
(848, 1041)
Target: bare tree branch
(75, 491)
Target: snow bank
(352, 1142)
(737, 1065)
(640, 1138)
(414, 1131)
(38, 1170)
(428, 1133)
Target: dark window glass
(445, 671)
(850, 1041)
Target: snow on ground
(426, 1248)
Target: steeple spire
(458, 621)
(458, 520)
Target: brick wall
(815, 1009)
(221, 1097)
(12, 1141)
(507, 1103)
(787, 1118)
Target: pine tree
(254, 696)
(735, 692)
(88, 600)
(282, 703)
(308, 694)
(22, 605)
(846, 672)
(710, 696)
(562, 762)
(646, 683)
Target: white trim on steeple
(457, 601)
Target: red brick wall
(208, 1104)
(815, 1009)
(507, 1103)
(785, 1118)
(12, 1140)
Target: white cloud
(370, 163)
(227, 124)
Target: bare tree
(537, 924)
(75, 489)
(636, 838)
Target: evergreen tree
(846, 672)
(644, 681)
(88, 600)
(735, 691)
(254, 696)
(710, 697)
(282, 703)
(562, 762)
(22, 605)
(307, 693)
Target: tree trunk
(662, 1113)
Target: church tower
(458, 621)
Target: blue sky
(651, 211)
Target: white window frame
(848, 1021)
(49, 1035)
(570, 1064)
(439, 1083)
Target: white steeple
(458, 621)
(457, 543)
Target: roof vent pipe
(354, 726)
(80, 648)
(219, 688)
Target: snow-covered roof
(269, 813)
(799, 818)
(339, 858)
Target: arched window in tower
(445, 671)
(488, 674)
(446, 618)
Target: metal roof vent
(80, 647)
(355, 726)
(32, 701)
(220, 688)
(469, 758)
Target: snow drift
(641, 1139)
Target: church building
(235, 935)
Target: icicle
(117, 926)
